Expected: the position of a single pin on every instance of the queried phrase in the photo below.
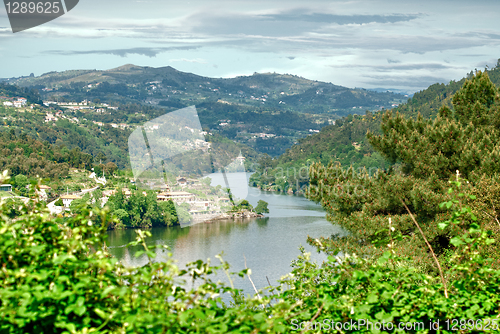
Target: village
(202, 201)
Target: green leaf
(139, 253)
(383, 259)
(443, 225)
(456, 241)
(80, 310)
(372, 298)
(100, 313)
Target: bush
(57, 277)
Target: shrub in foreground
(56, 277)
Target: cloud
(285, 23)
(398, 67)
(298, 15)
(143, 51)
(410, 67)
(198, 60)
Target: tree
(427, 154)
(101, 157)
(261, 207)
(21, 182)
(59, 202)
(110, 168)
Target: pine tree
(426, 154)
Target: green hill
(170, 87)
(268, 112)
(345, 141)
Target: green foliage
(24, 155)
(428, 153)
(59, 202)
(346, 142)
(142, 210)
(58, 277)
(244, 205)
(261, 207)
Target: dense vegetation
(57, 277)
(346, 142)
(80, 144)
(31, 95)
(143, 210)
(84, 136)
(284, 107)
(428, 153)
(30, 157)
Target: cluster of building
(79, 106)
(17, 102)
(49, 117)
(209, 205)
(113, 125)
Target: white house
(176, 196)
(42, 192)
(5, 187)
(67, 199)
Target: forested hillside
(31, 146)
(346, 141)
(266, 111)
(461, 144)
(27, 156)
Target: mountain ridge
(272, 90)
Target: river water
(269, 244)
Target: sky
(369, 44)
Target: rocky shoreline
(235, 215)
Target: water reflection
(269, 244)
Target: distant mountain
(168, 87)
(268, 112)
(404, 92)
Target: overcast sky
(369, 44)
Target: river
(269, 244)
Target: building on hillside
(50, 118)
(165, 188)
(5, 187)
(42, 192)
(201, 205)
(108, 193)
(176, 196)
(67, 199)
(181, 181)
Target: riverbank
(276, 189)
(236, 215)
